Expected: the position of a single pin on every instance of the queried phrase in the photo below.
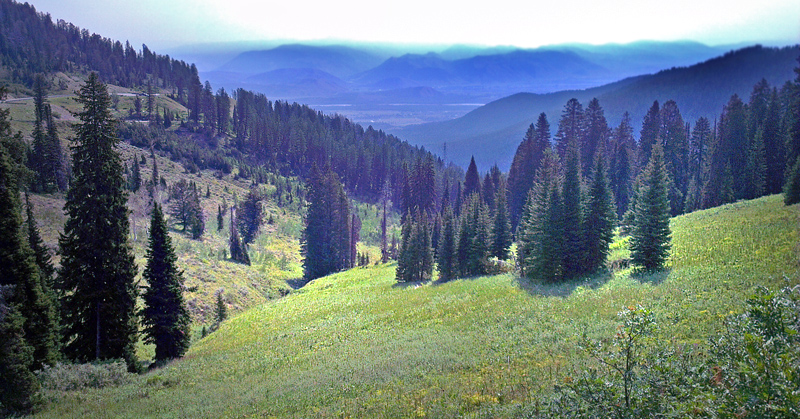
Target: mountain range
(699, 90)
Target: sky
(165, 24)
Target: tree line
(86, 310)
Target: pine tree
(756, 172)
(791, 190)
(596, 135)
(17, 382)
(325, 243)
(573, 214)
(446, 254)
(18, 268)
(650, 238)
(237, 248)
(525, 165)
(540, 235)
(599, 219)
(165, 317)
(220, 218)
(648, 136)
(675, 142)
(221, 310)
(571, 127)
(472, 181)
(501, 230)
(97, 265)
(40, 251)
(136, 177)
(622, 165)
(250, 216)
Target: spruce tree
(501, 230)
(791, 189)
(40, 251)
(18, 269)
(648, 136)
(136, 177)
(220, 218)
(165, 317)
(540, 235)
(250, 216)
(17, 382)
(599, 219)
(573, 214)
(446, 254)
(650, 238)
(97, 265)
(472, 181)
(525, 165)
(571, 127)
(237, 248)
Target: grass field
(356, 344)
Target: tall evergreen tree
(791, 189)
(220, 218)
(165, 317)
(97, 264)
(774, 140)
(525, 165)
(17, 383)
(599, 219)
(623, 164)
(250, 216)
(40, 251)
(136, 177)
(571, 126)
(540, 237)
(325, 243)
(573, 214)
(648, 136)
(237, 248)
(472, 181)
(446, 254)
(501, 230)
(650, 237)
(28, 291)
(596, 135)
(675, 144)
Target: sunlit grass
(356, 344)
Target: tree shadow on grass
(564, 288)
(653, 278)
(411, 284)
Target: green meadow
(357, 344)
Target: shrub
(70, 377)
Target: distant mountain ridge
(699, 90)
(484, 74)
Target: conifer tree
(237, 248)
(756, 165)
(136, 177)
(573, 214)
(541, 234)
(650, 237)
(596, 135)
(525, 165)
(415, 262)
(648, 136)
(17, 382)
(571, 127)
(220, 218)
(791, 190)
(622, 164)
(165, 317)
(325, 243)
(675, 143)
(40, 251)
(599, 219)
(446, 254)
(221, 310)
(250, 216)
(501, 230)
(97, 265)
(472, 181)
(18, 269)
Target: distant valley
(390, 86)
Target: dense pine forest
(553, 217)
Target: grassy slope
(356, 344)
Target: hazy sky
(526, 23)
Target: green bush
(70, 377)
(751, 371)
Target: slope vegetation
(357, 344)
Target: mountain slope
(699, 90)
(356, 344)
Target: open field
(356, 344)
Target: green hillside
(356, 344)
